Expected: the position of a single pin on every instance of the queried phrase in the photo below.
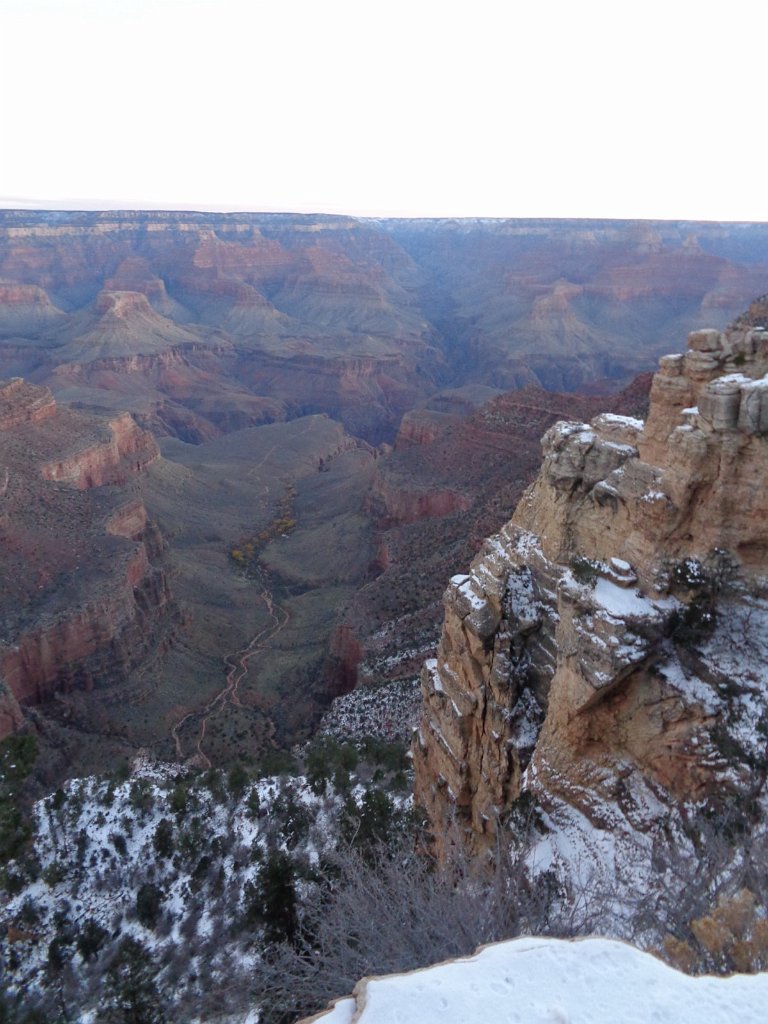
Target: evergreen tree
(163, 838)
(132, 995)
(273, 899)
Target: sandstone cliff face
(82, 603)
(606, 650)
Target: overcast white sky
(561, 108)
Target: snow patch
(544, 981)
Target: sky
(523, 108)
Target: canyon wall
(82, 602)
(605, 651)
(203, 323)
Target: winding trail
(236, 665)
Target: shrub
(131, 988)
(392, 910)
(141, 796)
(237, 778)
(118, 841)
(54, 873)
(162, 840)
(178, 799)
(90, 939)
(149, 901)
(585, 570)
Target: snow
(521, 596)
(627, 421)
(566, 429)
(689, 684)
(527, 545)
(554, 981)
(388, 712)
(83, 875)
(693, 410)
(620, 602)
(342, 1013)
(655, 495)
(433, 673)
(624, 449)
(466, 590)
(621, 565)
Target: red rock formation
(413, 502)
(21, 403)
(112, 461)
(94, 644)
(82, 603)
(358, 320)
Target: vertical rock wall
(579, 657)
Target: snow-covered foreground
(174, 861)
(554, 981)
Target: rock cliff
(439, 493)
(605, 653)
(81, 603)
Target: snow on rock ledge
(542, 981)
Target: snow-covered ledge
(546, 981)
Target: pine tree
(132, 994)
(273, 899)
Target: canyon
(241, 455)
(346, 378)
(204, 323)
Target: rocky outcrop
(21, 403)
(409, 501)
(82, 602)
(26, 308)
(435, 500)
(591, 655)
(96, 642)
(114, 460)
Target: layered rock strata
(81, 602)
(203, 323)
(609, 643)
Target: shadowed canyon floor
(259, 623)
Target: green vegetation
(245, 553)
(706, 581)
(17, 758)
(131, 985)
(271, 903)
(585, 570)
